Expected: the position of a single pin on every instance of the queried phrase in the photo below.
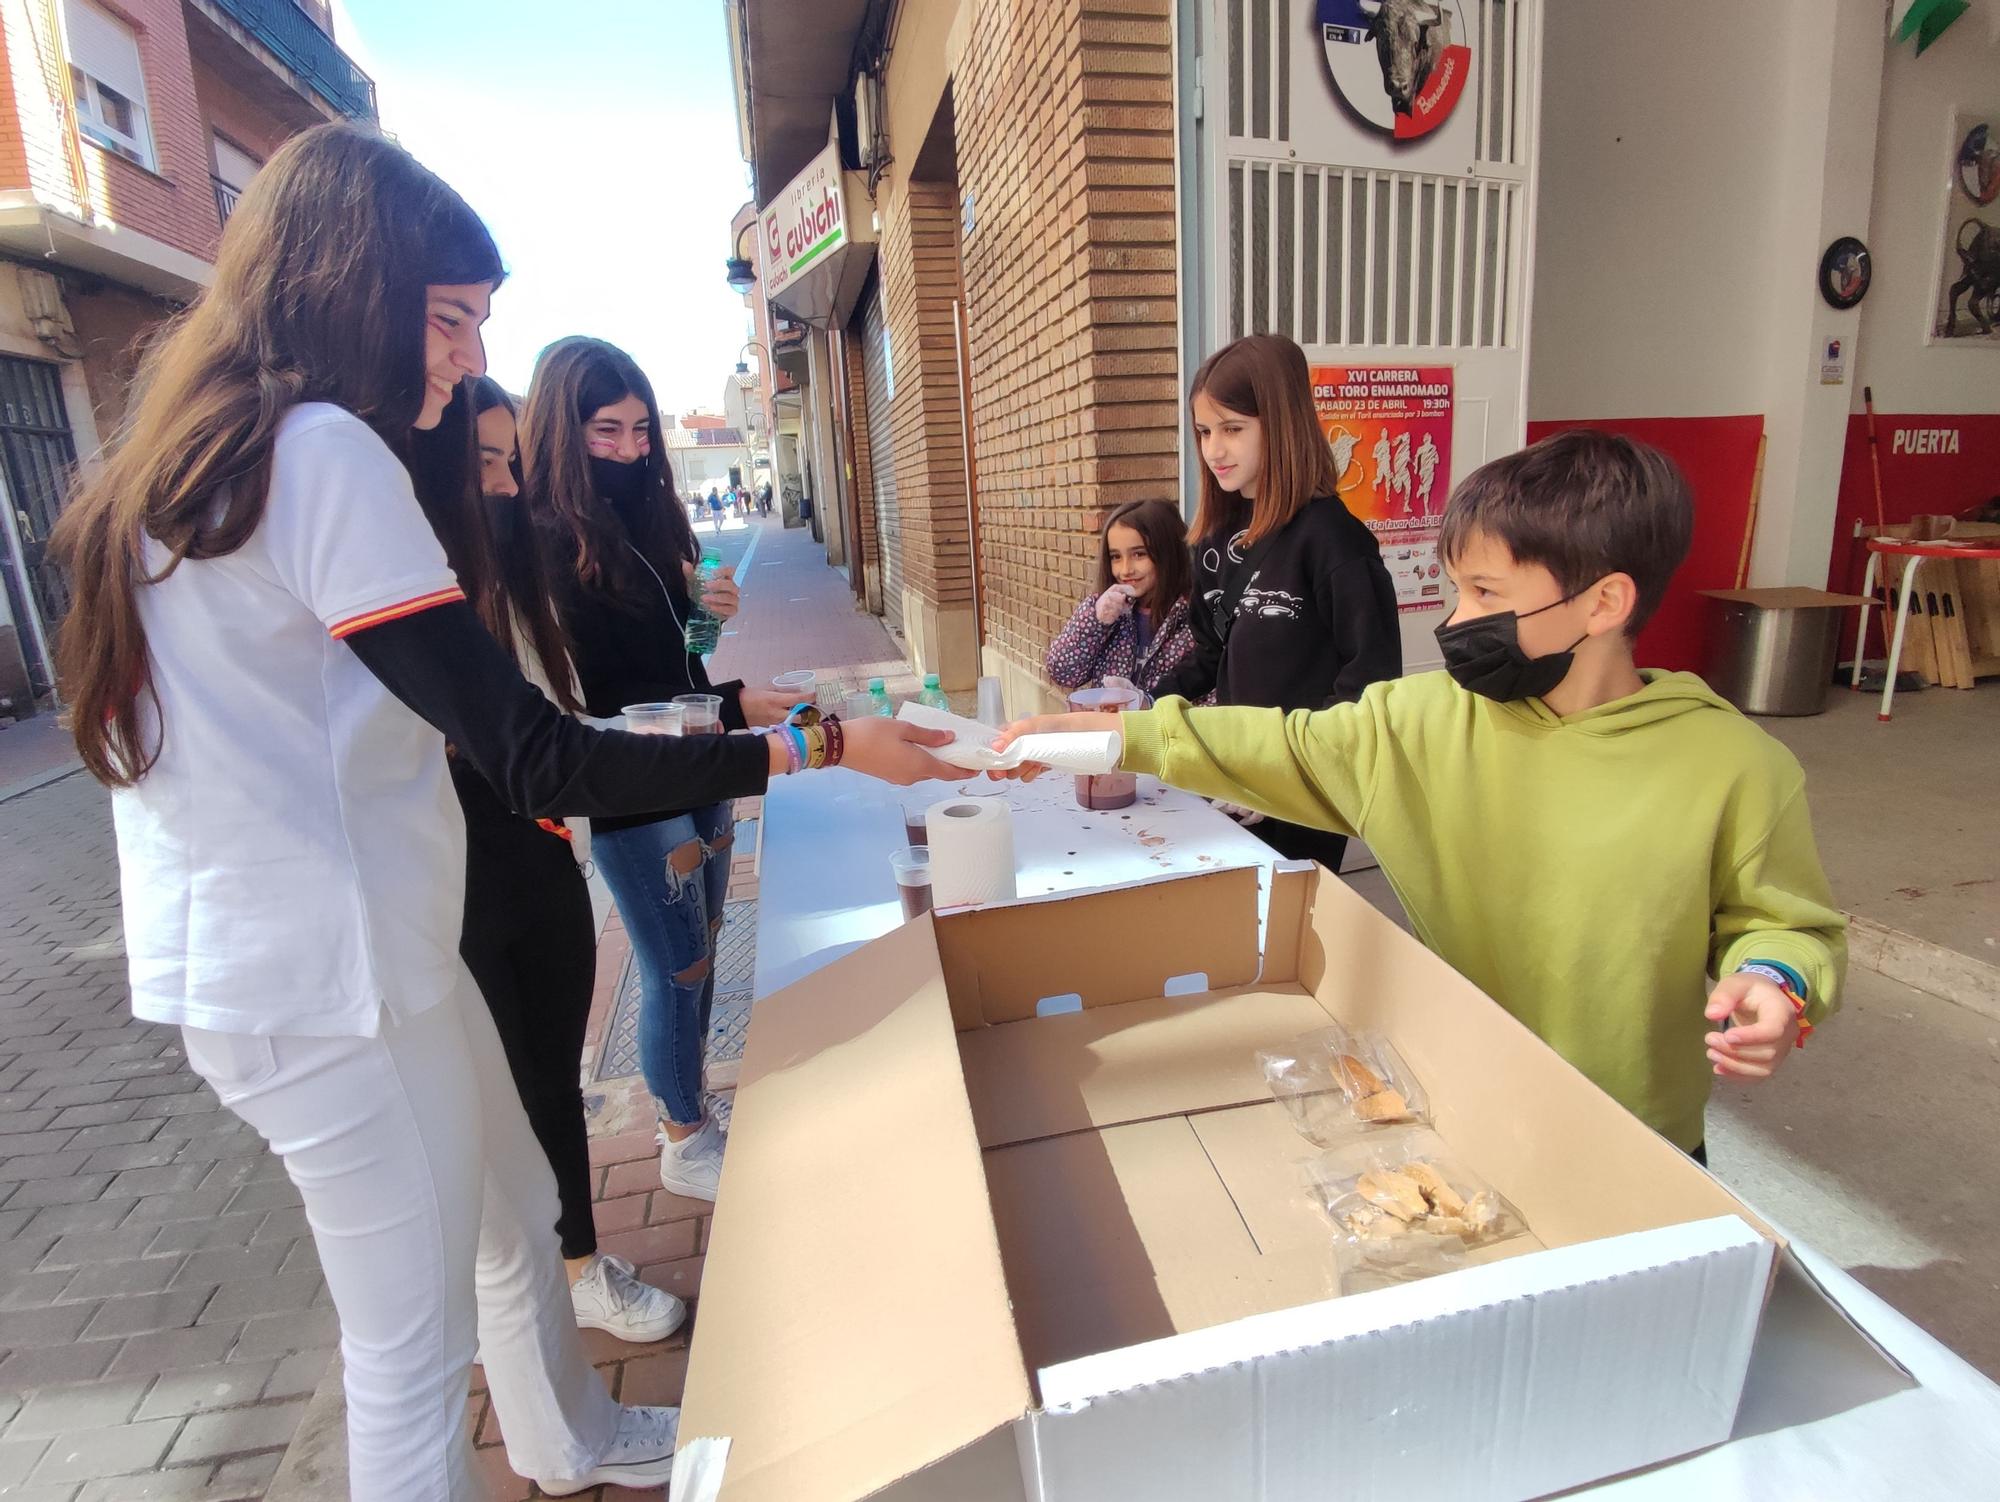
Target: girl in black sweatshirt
(622, 556)
(1292, 605)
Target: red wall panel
(1719, 457)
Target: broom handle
(1874, 453)
(1750, 517)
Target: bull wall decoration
(1398, 64)
(1966, 304)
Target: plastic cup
(798, 684)
(701, 714)
(915, 832)
(1107, 790)
(653, 719)
(913, 880)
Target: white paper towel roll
(1083, 751)
(972, 851)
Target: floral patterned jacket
(1087, 651)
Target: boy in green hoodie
(1586, 841)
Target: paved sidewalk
(162, 1316)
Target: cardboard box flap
(853, 1185)
(1002, 962)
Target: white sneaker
(608, 1296)
(641, 1454)
(693, 1168)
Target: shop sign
(805, 223)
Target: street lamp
(740, 275)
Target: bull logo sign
(1401, 65)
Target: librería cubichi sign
(805, 223)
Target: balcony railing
(308, 51)
(225, 198)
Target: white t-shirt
(295, 860)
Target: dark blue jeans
(669, 880)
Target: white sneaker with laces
(693, 1167)
(608, 1296)
(640, 1455)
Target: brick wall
(174, 202)
(920, 278)
(1065, 118)
(185, 102)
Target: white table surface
(1823, 1418)
(823, 881)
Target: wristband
(794, 748)
(1788, 981)
(836, 739)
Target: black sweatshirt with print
(1304, 619)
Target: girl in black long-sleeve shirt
(1292, 606)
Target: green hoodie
(1586, 872)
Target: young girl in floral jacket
(1136, 625)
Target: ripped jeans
(669, 880)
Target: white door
(1374, 201)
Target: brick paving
(162, 1316)
(163, 1322)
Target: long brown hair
(574, 378)
(318, 297)
(522, 580)
(1265, 376)
(1163, 532)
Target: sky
(597, 138)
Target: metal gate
(39, 455)
(1364, 244)
(877, 361)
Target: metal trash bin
(1771, 651)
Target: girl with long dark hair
(530, 939)
(622, 553)
(1293, 606)
(265, 656)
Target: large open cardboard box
(1009, 1214)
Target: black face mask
(502, 517)
(1484, 656)
(620, 482)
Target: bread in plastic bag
(1333, 1082)
(1403, 1183)
(1364, 1264)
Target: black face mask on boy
(620, 481)
(1484, 656)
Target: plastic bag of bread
(1333, 1082)
(1365, 1264)
(1393, 1185)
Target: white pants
(434, 1210)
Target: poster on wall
(1396, 78)
(1966, 307)
(1390, 427)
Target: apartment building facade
(127, 130)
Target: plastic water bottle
(932, 696)
(704, 627)
(878, 699)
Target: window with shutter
(109, 83)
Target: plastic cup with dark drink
(701, 714)
(1108, 790)
(913, 880)
(652, 719)
(915, 832)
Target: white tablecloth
(823, 880)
